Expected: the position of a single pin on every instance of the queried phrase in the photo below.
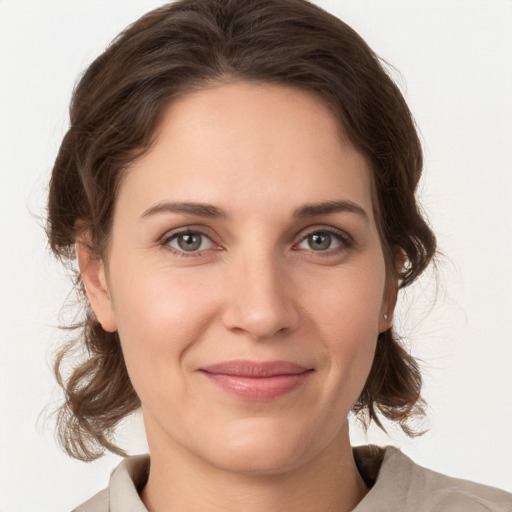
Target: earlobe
(385, 321)
(93, 274)
(391, 294)
(388, 304)
(388, 308)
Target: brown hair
(114, 112)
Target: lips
(257, 381)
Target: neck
(181, 482)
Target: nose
(261, 300)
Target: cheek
(346, 317)
(155, 301)
(350, 302)
(158, 320)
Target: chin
(257, 460)
(261, 447)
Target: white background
(455, 60)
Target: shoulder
(122, 494)
(402, 485)
(98, 503)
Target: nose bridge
(260, 301)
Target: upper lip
(255, 369)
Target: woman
(237, 185)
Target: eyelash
(346, 242)
(184, 254)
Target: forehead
(243, 144)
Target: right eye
(325, 241)
(188, 242)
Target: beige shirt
(397, 485)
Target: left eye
(189, 242)
(321, 241)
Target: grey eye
(190, 242)
(319, 241)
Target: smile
(257, 381)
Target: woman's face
(246, 279)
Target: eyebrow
(199, 209)
(210, 211)
(328, 207)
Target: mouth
(258, 381)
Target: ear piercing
(385, 316)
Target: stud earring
(385, 316)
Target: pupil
(189, 242)
(319, 241)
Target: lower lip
(258, 388)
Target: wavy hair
(115, 109)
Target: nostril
(263, 322)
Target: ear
(391, 292)
(92, 270)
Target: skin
(257, 289)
